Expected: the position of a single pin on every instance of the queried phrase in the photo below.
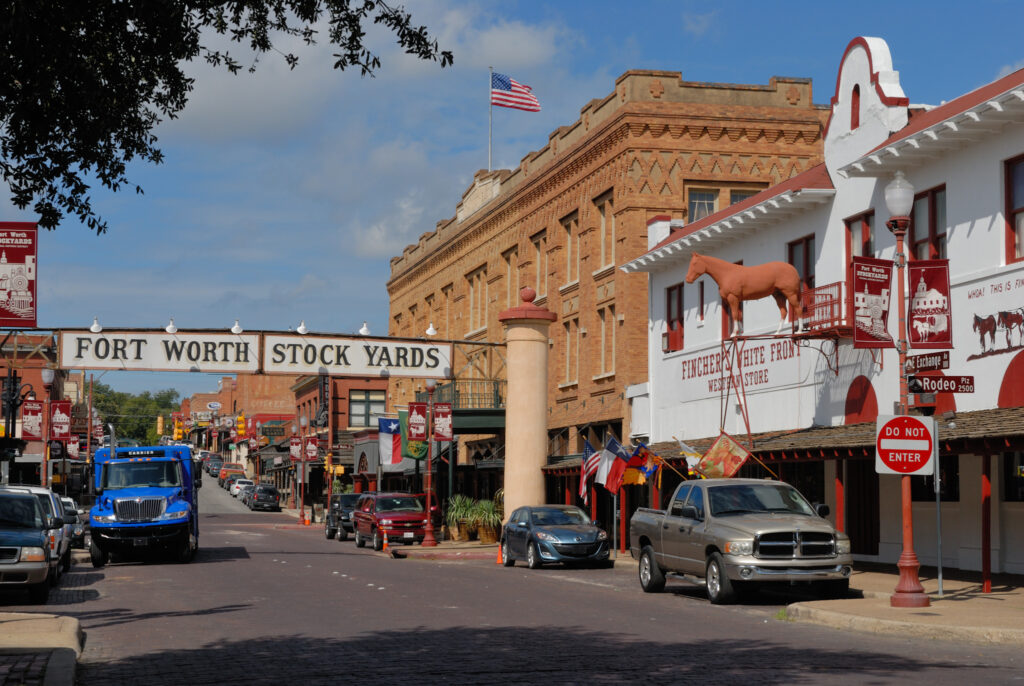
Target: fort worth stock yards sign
(269, 353)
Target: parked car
(60, 535)
(401, 515)
(265, 497)
(245, 493)
(213, 466)
(74, 513)
(738, 534)
(338, 520)
(229, 468)
(552, 533)
(24, 545)
(230, 481)
(236, 486)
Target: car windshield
(399, 504)
(348, 499)
(557, 516)
(141, 474)
(20, 511)
(747, 498)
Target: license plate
(140, 542)
(408, 534)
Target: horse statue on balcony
(737, 283)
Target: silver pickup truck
(738, 534)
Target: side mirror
(81, 512)
(689, 512)
(822, 510)
(54, 522)
(597, 523)
(521, 525)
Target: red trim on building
(1011, 391)
(861, 402)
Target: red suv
(401, 515)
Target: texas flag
(390, 441)
(609, 469)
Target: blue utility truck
(147, 500)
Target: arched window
(855, 108)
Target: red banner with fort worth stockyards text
(929, 313)
(872, 292)
(18, 254)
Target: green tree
(134, 416)
(83, 83)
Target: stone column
(526, 417)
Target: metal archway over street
(258, 352)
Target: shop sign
(160, 352)
(929, 314)
(294, 354)
(872, 291)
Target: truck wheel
(359, 540)
(720, 590)
(97, 556)
(329, 532)
(506, 555)
(39, 593)
(342, 534)
(186, 553)
(378, 542)
(652, 579)
(532, 556)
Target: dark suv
(24, 545)
(264, 497)
(339, 515)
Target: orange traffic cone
(500, 560)
(385, 548)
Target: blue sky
(285, 193)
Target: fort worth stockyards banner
(18, 274)
(872, 291)
(929, 314)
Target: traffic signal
(160, 425)
(178, 432)
(11, 448)
(240, 424)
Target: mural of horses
(737, 283)
(986, 326)
(1012, 320)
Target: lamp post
(295, 467)
(47, 374)
(899, 199)
(259, 449)
(428, 536)
(303, 422)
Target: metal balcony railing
(469, 394)
(826, 307)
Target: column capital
(527, 310)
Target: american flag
(591, 459)
(507, 92)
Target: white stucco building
(810, 401)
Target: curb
(804, 612)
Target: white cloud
(1008, 69)
(698, 24)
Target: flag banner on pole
(390, 440)
(635, 474)
(611, 448)
(872, 291)
(613, 481)
(417, 450)
(929, 314)
(723, 459)
(591, 460)
(507, 92)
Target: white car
(236, 487)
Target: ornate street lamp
(899, 199)
(47, 375)
(303, 422)
(428, 536)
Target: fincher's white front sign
(166, 352)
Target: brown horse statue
(737, 283)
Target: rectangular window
(540, 263)
(927, 234)
(364, 406)
(511, 258)
(701, 204)
(801, 256)
(477, 285)
(1015, 209)
(606, 316)
(740, 196)
(922, 488)
(571, 229)
(860, 235)
(1013, 477)
(673, 339)
(572, 351)
(606, 228)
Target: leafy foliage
(133, 416)
(83, 83)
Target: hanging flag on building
(929, 314)
(507, 92)
(417, 450)
(872, 291)
(613, 482)
(390, 440)
(723, 459)
(591, 460)
(607, 457)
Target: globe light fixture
(236, 329)
(95, 328)
(431, 331)
(171, 328)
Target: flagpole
(490, 110)
(615, 526)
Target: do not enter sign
(906, 445)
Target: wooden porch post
(986, 523)
(840, 496)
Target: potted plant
(458, 511)
(488, 520)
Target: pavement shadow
(503, 655)
(123, 615)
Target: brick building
(656, 146)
